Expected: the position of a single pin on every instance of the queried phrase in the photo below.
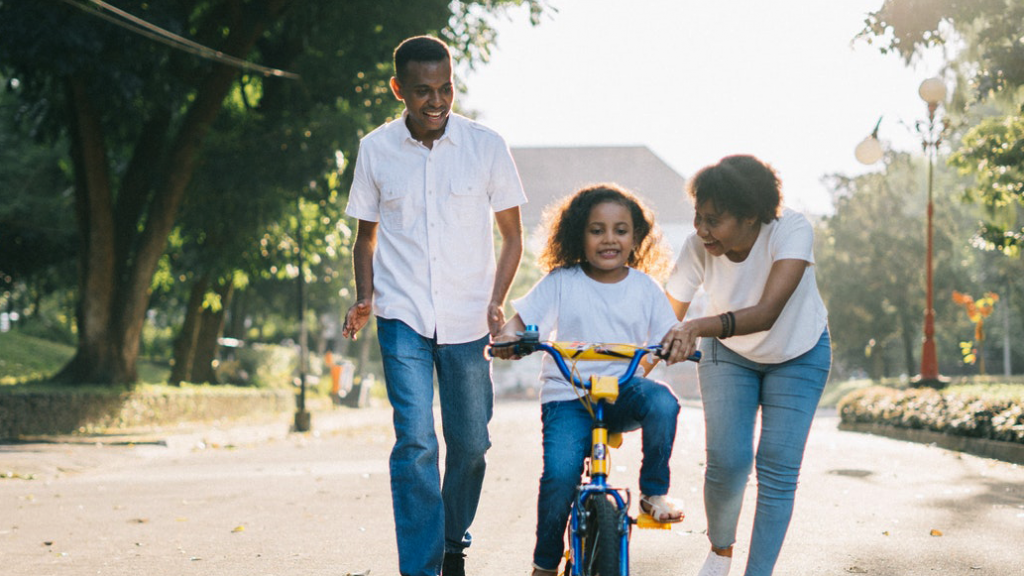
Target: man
(424, 188)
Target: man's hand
(495, 318)
(356, 317)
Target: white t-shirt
(733, 285)
(569, 306)
(434, 264)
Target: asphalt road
(259, 500)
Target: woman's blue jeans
(432, 517)
(567, 426)
(734, 390)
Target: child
(601, 243)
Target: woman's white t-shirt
(734, 285)
(569, 306)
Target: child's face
(608, 242)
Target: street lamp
(869, 151)
(933, 92)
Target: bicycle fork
(600, 466)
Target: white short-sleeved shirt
(733, 285)
(434, 264)
(567, 305)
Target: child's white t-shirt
(734, 285)
(569, 306)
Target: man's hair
(741, 185)
(419, 49)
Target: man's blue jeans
(642, 403)
(733, 390)
(432, 517)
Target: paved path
(261, 501)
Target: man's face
(426, 88)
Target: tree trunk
(212, 324)
(908, 330)
(93, 359)
(185, 343)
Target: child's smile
(608, 242)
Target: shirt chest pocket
(468, 202)
(394, 207)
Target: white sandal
(664, 509)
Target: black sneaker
(454, 564)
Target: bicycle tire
(601, 538)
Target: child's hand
(504, 352)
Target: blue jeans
(432, 517)
(642, 403)
(734, 390)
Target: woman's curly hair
(567, 221)
(741, 185)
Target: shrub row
(25, 413)
(958, 413)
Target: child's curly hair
(567, 221)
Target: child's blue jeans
(567, 425)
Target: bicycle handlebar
(529, 342)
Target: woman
(765, 346)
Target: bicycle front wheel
(601, 537)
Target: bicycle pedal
(647, 522)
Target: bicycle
(599, 521)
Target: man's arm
(362, 265)
(510, 226)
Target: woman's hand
(680, 342)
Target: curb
(996, 449)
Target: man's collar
(453, 129)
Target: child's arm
(508, 334)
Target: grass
(26, 358)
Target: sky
(696, 80)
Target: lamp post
(869, 151)
(933, 92)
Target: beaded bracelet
(728, 324)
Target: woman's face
(724, 234)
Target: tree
(990, 62)
(138, 113)
(870, 267)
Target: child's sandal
(662, 508)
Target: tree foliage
(871, 268)
(154, 131)
(988, 57)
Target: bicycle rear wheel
(601, 538)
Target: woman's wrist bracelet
(728, 324)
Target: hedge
(990, 416)
(27, 412)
